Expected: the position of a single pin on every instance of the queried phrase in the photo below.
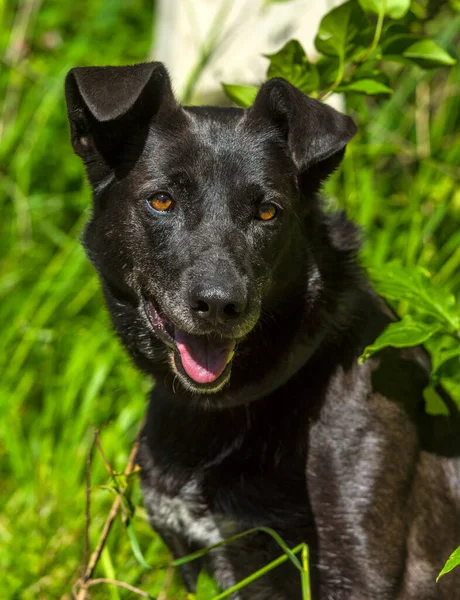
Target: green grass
(408, 203)
(62, 370)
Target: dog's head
(200, 219)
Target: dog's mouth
(204, 361)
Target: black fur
(293, 434)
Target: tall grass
(399, 180)
(62, 370)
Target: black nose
(218, 301)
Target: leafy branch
(432, 317)
(122, 501)
(354, 43)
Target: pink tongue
(203, 359)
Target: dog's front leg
(179, 547)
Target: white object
(239, 30)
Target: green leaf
(434, 404)
(291, 62)
(453, 561)
(371, 70)
(449, 368)
(135, 546)
(446, 362)
(360, 49)
(401, 334)
(206, 586)
(328, 68)
(371, 87)
(412, 285)
(339, 28)
(242, 95)
(397, 44)
(396, 28)
(427, 54)
(396, 9)
(399, 58)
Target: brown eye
(161, 202)
(267, 211)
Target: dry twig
(89, 460)
(80, 588)
(120, 584)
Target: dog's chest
(185, 513)
(209, 506)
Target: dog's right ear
(106, 104)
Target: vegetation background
(62, 370)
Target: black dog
(228, 283)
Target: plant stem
(82, 584)
(305, 576)
(199, 553)
(378, 29)
(247, 580)
(120, 584)
(340, 76)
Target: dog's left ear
(315, 132)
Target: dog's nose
(218, 301)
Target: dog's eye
(267, 211)
(161, 202)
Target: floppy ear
(315, 132)
(106, 105)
